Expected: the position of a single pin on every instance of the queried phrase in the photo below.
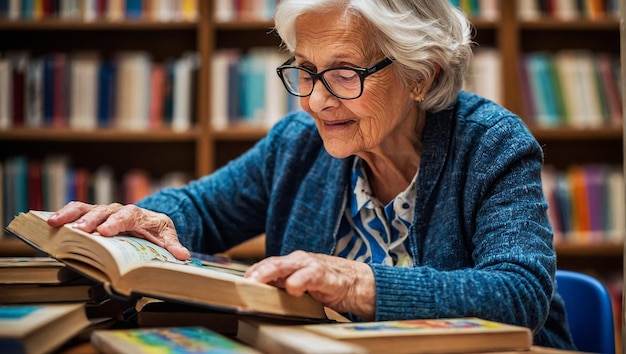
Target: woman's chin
(338, 150)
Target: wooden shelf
(109, 135)
(96, 25)
(240, 133)
(590, 250)
(244, 25)
(576, 25)
(577, 134)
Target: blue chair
(589, 311)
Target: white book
(55, 174)
(133, 90)
(84, 69)
(33, 96)
(276, 97)
(14, 12)
(184, 68)
(6, 94)
(104, 185)
(486, 74)
(219, 90)
(225, 10)
(489, 9)
(528, 10)
(572, 93)
(590, 92)
(164, 10)
(617, 205)
(566, 9)
(89, 11)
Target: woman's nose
(321, 98)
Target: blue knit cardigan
(481, 240)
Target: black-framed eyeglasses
(345, 83)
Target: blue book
(233, 90)
(4, 9)
(134, 9)
(252, 91)
(564, 199)
(48, 89)
(20, 165)
(106, 94)
(542, 89)
(27, 9)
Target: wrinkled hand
(341, 284)
(113, 219)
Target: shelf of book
(511, 31)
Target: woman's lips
(337, 124)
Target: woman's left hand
(341, 284)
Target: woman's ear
(422, 86)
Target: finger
(96, 216)
(154, 227)
(71, 212)
(167, 238)
(126, 218)
(275, 268)
(178, 250)
(305, 279)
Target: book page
(128, 251)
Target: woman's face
(378, 119)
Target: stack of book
(206, 303)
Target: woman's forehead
(346, 36)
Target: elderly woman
(394, 195)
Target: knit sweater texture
(480, 239)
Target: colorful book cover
(409, 327)
(166, 340)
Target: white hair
(421, 35)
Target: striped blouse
(372, 232)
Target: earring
(419, 99)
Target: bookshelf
(202, 148)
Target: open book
(133, 266)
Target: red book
(580, 204)
(82, 185)
(35, 190)
(157, 95)
(60, 94)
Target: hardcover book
(34, 270)
(166, 340)
(455, 335)
(131, 266)
(37, 329)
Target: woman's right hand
(113, 219)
